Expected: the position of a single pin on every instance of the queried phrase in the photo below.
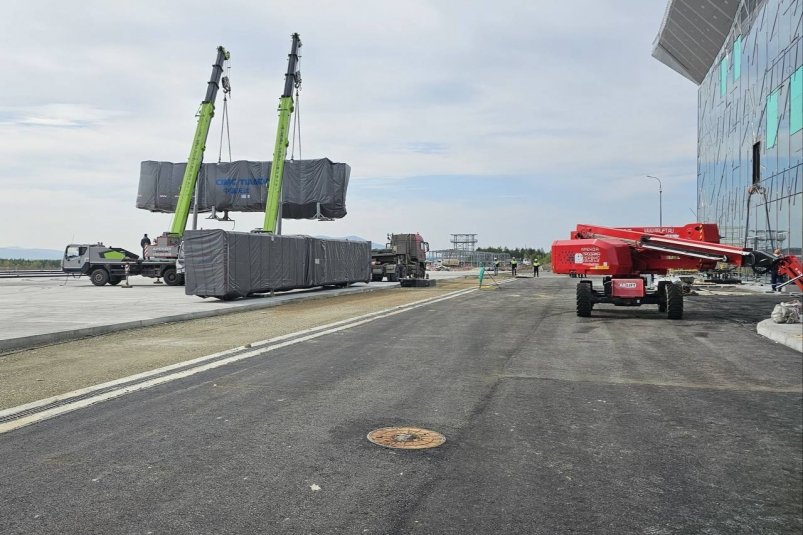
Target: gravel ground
(34, 374)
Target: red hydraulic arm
(598, 250)
(792, 268)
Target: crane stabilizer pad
(418, 283)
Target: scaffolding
(463, 255)
(455, 258)
(464, 242)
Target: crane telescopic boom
(196, 156)
(292, 79)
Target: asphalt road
(620, 423)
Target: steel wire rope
(296, 123)
(225, 116)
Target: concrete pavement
(43, 311)
(623, 422)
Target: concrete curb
(38, 340)
(790, 335)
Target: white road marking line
(264, 347)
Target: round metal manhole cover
(407, 438)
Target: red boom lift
(625, 255)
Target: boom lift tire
(99, 276)
(674, 301)
(662, 297)
(584, 303)
(170, 277)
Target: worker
(143, 242)
(496, 266)
(536, 265)
(513, 264)
(775, 277)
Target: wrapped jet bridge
(310, 188)
(228, 265)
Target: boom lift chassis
(625, 255)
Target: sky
(512, 120)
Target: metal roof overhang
(692, 34)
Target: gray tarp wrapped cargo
(241, 186)
(228, 265)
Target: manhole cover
(408, 438)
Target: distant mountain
(29, 254)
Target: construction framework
(455, 258)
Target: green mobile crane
(166, 245)
(291, 79)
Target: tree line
(9, 264)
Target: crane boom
(292, 78)
(196, 156)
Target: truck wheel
(584, 303)
(674, 302)
(170, 276)
(393, 278)
(99, 276)
(376, 278)
(114, 281)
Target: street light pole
(660, 201)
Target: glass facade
(750, 144)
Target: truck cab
(404, 256)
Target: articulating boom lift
(291, 79)
(624, 255)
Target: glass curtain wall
(750, 130)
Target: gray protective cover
(228, 265)
(241, 186)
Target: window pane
(723, 76)
(772, 118)
(796, 101)
(737, 58)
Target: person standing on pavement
(536, 265)
(775, 277)
(143, 242)
(496, 266)
(513, 264)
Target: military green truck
(109, 265)
(404, 257)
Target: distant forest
(9, 264)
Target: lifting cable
(296, 123)
(224, 123)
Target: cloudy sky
(513, 120)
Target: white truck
(110, 265)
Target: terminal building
(746, 56)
